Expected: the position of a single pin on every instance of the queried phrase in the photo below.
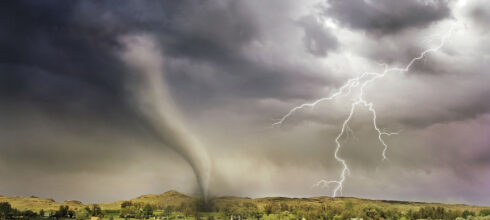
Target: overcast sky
(71, 129)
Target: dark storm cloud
(50, 62)
(219, 48)
(234, 67)
(68, 48)
(318, 40)
(77, 41)
(59, 72)
(386, 16)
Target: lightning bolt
(360, 82)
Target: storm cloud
(386, 17)
(318, 40)
(232, 69)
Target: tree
(96, 211)
(126, 204)
(439, 213)
(62, 212)
(370, 213)
(268, 208)
(228, 209)
(128, 212)
(28, 214)
(147, 211)
(41, 212)
(5, 209)
(71, 213)
(168, 211)
(452, 214)
(467, 213)
(485, 212)
(393, 213)
(251, 210)
(14, 213)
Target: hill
(172, 198)
(341, 201)
(35, 204)
(175, 199)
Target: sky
(109, 100)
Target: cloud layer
(233, 68)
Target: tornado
(150, 94)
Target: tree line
(63, 212)
(248, 210)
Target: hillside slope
(36, 204)
(174, 198)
